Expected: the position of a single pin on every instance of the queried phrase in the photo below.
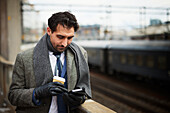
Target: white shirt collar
(61, 57)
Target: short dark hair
(64, 18)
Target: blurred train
(148, 59)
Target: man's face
(61, 38)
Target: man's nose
(64, 42)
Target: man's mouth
(61, 47)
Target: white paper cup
(58, 79)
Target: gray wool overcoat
(23, 82)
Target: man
(55, 56)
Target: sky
(116, 13)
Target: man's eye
(70, 38)
(59, 36)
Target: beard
(61, 48)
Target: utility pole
(167, 13)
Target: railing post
(1, 84)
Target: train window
(111, 56)
(162, 62)
(92, 53)
(150, 61)
(131, 59)
(139, 60)
(101, 54)
(116, 57)
(123, 58)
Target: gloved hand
(74, 99)
(50, 89)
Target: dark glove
(50, 89)
(74, 99)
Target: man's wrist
(34, 99)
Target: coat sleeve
(18, 94)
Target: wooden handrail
(4, 61)
(90, 106)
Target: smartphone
(76, 90)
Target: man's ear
(48, 31)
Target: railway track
(124, 99)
